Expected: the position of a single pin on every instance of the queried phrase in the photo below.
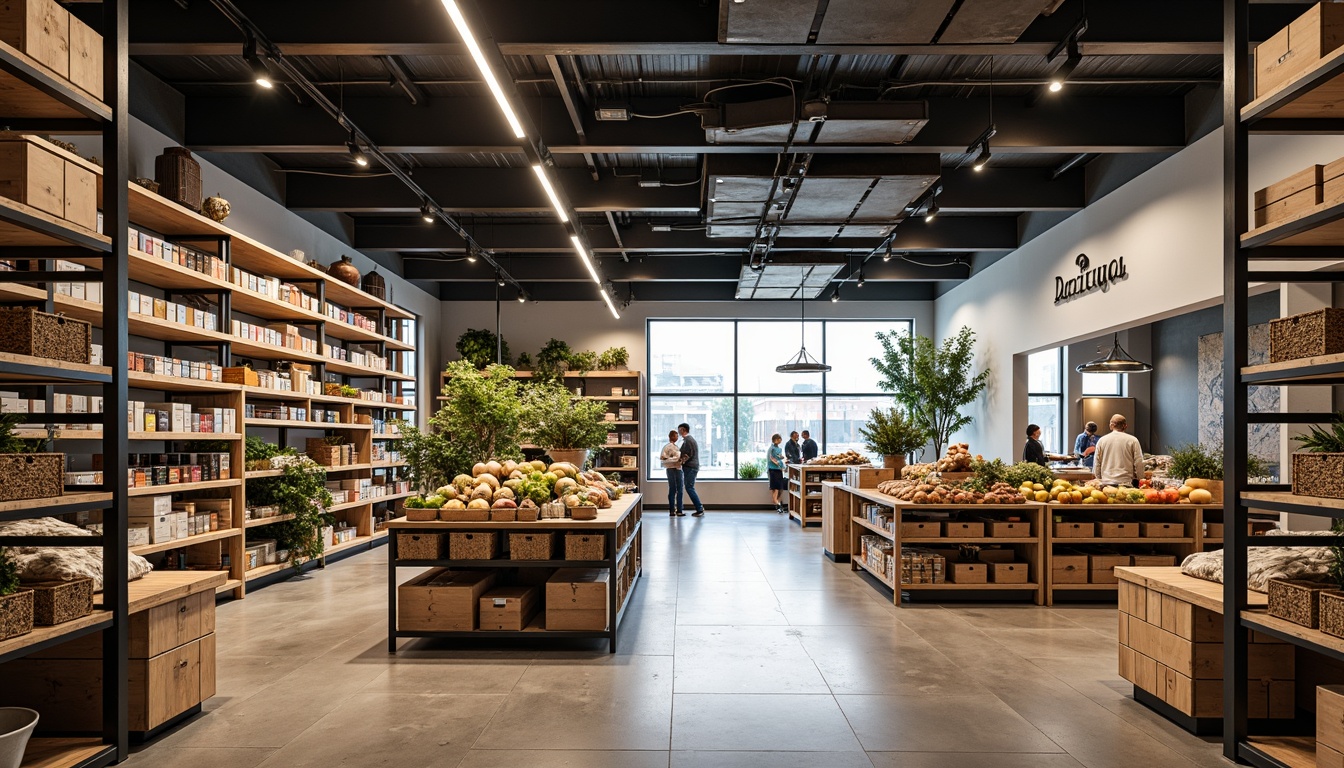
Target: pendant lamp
(802, 362)
(1118, 361)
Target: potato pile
(840, 459)
(958, 459)
(916, 492)
(917, 471)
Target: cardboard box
(443, 600)
(967, 573)
(1009, 573)
(509, 608)
(577, 598)
(1298, 46)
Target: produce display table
(1171, 649)
(622, 562)
(805, 494)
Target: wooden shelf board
(199, 538)
(43, 634)
(163, 587)
(152, 490)
(388, 436)
(884, 533)
(66, 752)
(348, 332)
(1311, 639)
(248, 348)
(291, 423)
(858, 563)
(1303, 370)
(150, 327)
(1137, 540)
(139, 380)
(1030, 586)
(388, 464)
(184, 436)
(58, 367)
(954, 540)
(358, 371)
(1320, 225)
(615, 469)
(613, 399)
(350, 505)
(1290, 751)
(1318, 92)
(14, 232)
(348, 468)
(1287, 501)
(228, 586)
(260, 521)
(55, 501)
(30, 90)
(1085, 587)
(60, 434)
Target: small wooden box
(504, 515)
(1330, 718)
(576, 599)
(583, 512)
(509, 608)
(1310, 334)
(924, 530)
(585, 546)
(33, 175)
(1118, 530)
(868, 477)
(1069, 569)
(1008, 573)
(1295, 48)
(241, 375)
(1162, 530)
(420, 515)
(1153, 561)
(443, 600)
(39, 28)
(967, 573)
(1319, 474)
(26, 331)
(963, 530)
(477, 545)
(531, 546)
(419, 546)
(1075, 530)
(56, 602)
(1290, 198)
(1213, 530)
(1000, 529)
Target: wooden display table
(1171, 649)
(172, 661)
(622, 562)
(805, 489)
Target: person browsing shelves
(793, 453)
(1119, 457)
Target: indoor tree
(890, 433)
(480, 419)
(931, 382)
(557, 421)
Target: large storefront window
(1045, 396)
(719, 377)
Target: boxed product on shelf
(879, 516)
(154, 469)
(169, 366)
(1007, 529)
(342, 534)
(443, 600)
(509, 608)
(156, 512)
(173, 312)
(921, 566)
(576, 599)
(28, 331)
(261, 512)
(220, 511)
(36, 173)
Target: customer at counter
(1119, 457)
(1085, 445)
(1034, 450)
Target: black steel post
(392, 591)
(1236, 198)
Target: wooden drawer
(165, 686)
(170, 625)
(39, 28)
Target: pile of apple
(527, 484)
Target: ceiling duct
(863, 22)
(845, 196)
(789, 276)
(767, 121)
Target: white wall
(1167, 224)
(588, 325)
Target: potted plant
(750, 470)
(301, 491)
(890, 433)
(1319, 470)
(16, 603)
(613, 359)
(27, 471)
(482, 347)
(565, 427)
(1200, 467)
(582, 362)
(551, 361)
(931, 382)
(16, 726)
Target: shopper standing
(1085, 444)
(690, 466)
(671, 460)
(774, 458)
(1119, 457)
(809, 447)
(792, 451)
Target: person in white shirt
(1119, 458)
(671, 461)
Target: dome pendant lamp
(1118, 361)
(802, 362)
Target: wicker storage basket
(480, 545)
(1296, 601)
(527, 514)
(503, 515)
(26, 331)
(1310, 334)
(326, 455)
(1332, 612)
(31, 475)
(179, 177)
(419, 546)
(583, 512)
(16, 614)
(585, 546)
(531, 546)
(1319, 474)
(56, 602)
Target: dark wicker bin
(16, 614)
(1310, 334)
(56, 602)
(1296, 601)
(26, 331)
(1319, 474)
(31, 475)
(1332, 612)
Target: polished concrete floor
(743, 647)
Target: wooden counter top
(159, 587)
(1170, 581)
(606, 519)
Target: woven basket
(1332, 612)
(585, 546)
(1319, 474)
(1310, 334)
(419, 546)
(16, 614)
(26, 331)
(31, 475)
(482, 545)
(326, 455)
(1296, 601)
(56, 602)
(531, 546)
(527, 514)
(179, 177)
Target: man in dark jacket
(690, 466)
(809, 446)
(793, 453)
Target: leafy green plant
(429, 458)
(613, 358)
(890, 433)
(481, 347)
(551, 361)
(931, 382)
(1320, 440)
(9, 574)
(1195, 460)
(300, 491)
(524, 362)
(556, 420)
(481, 418)
(582, 362)
(349, 391)
(12, 443)
(751, 470)
(987, 473)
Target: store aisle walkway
(743, 648)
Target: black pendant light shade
(802, 362)
(1118, 361)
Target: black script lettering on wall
(1089, 278)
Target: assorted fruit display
(1062, 491)
(847, 458)
(526, 484)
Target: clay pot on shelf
(216, 208)
(893, 462)
(345, 271)
(16, 726)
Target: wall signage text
(1089, 278)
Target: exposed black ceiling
(644, 187)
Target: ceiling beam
(685, 292)
(682, 269)
(267, 122)
(951, 234)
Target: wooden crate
(1068, 569)
(1101, 568)
(957, 529)
(967, 573)
(419, 546)
(477, 545)
(86, 58)
(26, 331)
(241, 375)
(31, 476)
(1296, 601)
(464, 515)
(1319, 474)
(1329, 718)
(56, 602)
(1310, 334)
(922, 530)
(39, 28)
(868, 477)
(1162, 530)
(1295, 48)
(508, 515)
(585, 546)
(539, 545)
(1291, 197)
(443, 600)
(1075, 530)
(1003, 529)
(1118, 530)
(1009, 573)
(509, 608)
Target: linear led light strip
(550, 192)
